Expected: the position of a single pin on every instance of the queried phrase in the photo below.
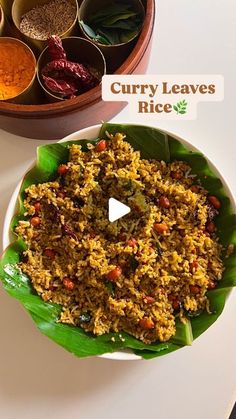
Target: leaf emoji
(181, 107)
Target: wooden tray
(56, 120)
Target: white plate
(91, 133)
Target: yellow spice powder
(17, 68)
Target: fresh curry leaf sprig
(117, 24)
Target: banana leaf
(152, 143)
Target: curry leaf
(117, 23)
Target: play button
(116, 210)
(118, 207)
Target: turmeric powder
(17, 68)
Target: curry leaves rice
(115, 276)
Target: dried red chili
(55, 48)
(65, 77)
(67, 89)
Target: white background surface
(40, 380)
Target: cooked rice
(89, 247)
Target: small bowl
(78, 50)
(91, 133)
(7, 5)
(21, 7)
(27, 95)
(114, 54)
(2, 20)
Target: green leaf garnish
(133, 264)
(110, 288)
(159, 249)
(85, 317)
(193, 314)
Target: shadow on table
(31, 366)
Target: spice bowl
(23, 71)
(2, 20)
(78, 50)
(114, 53)
(32, 30)
(7, 5)
(55, 120)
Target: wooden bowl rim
(82, 101)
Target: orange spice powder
(17, 68)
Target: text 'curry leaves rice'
(137, 274)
